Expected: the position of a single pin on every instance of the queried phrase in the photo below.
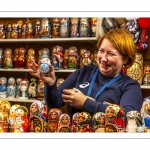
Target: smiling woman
(105, 82)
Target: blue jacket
(125, 92)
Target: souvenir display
(64, 124)
(23, 30)
(134, 120)
(86, 58)
(64, 27)
(72, 58)
(40, 90)
(15, 30)
(21, 123)
(136, 70)
(37, 29)
(8, 30)
(74, 27)
(22, 57)
(8, 62)
(2, 30)
(18, 92)
(12, 116)
(11, 88)
(30, 57)
(93, 24)
(98, 122)
(57, 57)
(32, 89)
(20, 22)
(83, 123)
(146, 75)
(60, 81)
(29, 30)
(55, 27)
(53, 119)
(45, 61)
(3, 87)
(84, 27)
(45, 28)
(24, 88)
(65, 60)
(1, 58)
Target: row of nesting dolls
(60, 58)
(16, 118)
(47, 28)
(23, 88)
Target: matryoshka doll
(19, 22)
(86, 59)
(18, 92)
(66, 58)
(84, 27)
(29, 30)
(64, 27)
(53, 119)
(2, 30)
(98, 122)
(72, 58)
(12, 116)
(60, 81)
(1, 58)
(45, 61)
(40, 90)
(64, 124)
(83, 122)
(15, 30)
(55, 27)
(16, 58)
(22, 57)
(23, 30)
(134, 120)
(4, 113)
(39, 56)
(55, 57)
(30, 57)
(94, 60)
(21, 121)
(80, 57)
(8, 60)
(74, 29)
(45, 29)
(32, 90)
(3, 87)
(37, 29)
(11, 87)
(24, 88)
(74, 122)
(8, 30)
(146, 77)
(93, 24)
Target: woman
(105, 82)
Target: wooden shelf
(48, 40)
(145, 86)
(19, 100)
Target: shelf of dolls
(80, 39)
(27, 70)
(19, 100)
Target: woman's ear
(125, 60)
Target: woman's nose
(104, 57)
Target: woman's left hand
(74, 97)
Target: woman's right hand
(48, 79)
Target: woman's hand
(74, 97)
(49, 79)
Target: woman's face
(109, 60)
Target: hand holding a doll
(48, 79)
(74, 97)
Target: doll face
(110, 112)
(19, 113)
(23, 87)
(34, 108)
(101, 120)
(81, 119)
(53, 115)
(11, 81)
(65, 120)
(13, 111)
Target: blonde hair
(122, 40)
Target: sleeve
(52, 94)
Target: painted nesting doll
(40, 90)
(146, 76)
(8, 30)
(37, 29)
(74, 29)
(29, 30)
(60, 81)
(19, 22)
(16, 58)
(1, 58)
(64, 27)
(66, 58)
(32, 89)
(55, 27)
(18, 92)
(3, 87)
(93, 24)
(21, 121)
(2, 30)
(23, 30)
(53, 119)
(8, 60)
(22, 57)
(15, 30)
